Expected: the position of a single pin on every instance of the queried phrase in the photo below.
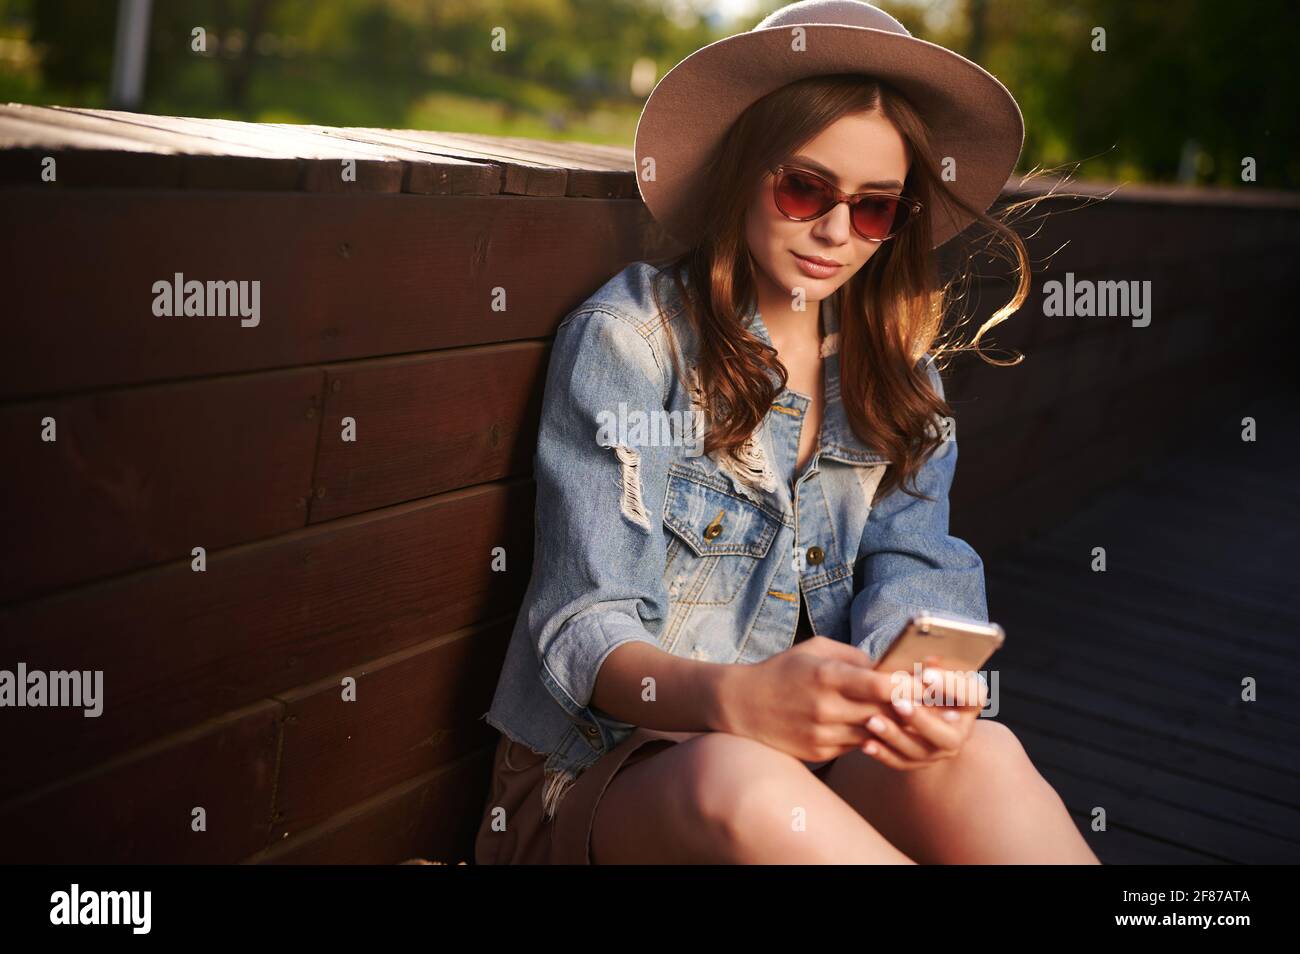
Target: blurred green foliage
(1184, 89)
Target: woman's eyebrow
(818, 167)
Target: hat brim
(973, 118)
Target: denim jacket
(639, 536)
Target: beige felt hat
(972, 117)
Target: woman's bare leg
(722, 798)
(988, 805)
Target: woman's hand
(813, 700)
(930, 726)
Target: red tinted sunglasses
(876, 216)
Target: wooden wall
(325, 558)
(1096, 397)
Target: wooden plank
(177, 646)
(1241, 570)
(995, 515)
(91, 168)
(139, 809)
(1174, 689)
(1138, 742)
(206, 163)
(65, 122)
(522, 172)
(1042, 467)
(80, 158)
(434, 816)
(1206, 728)
(384, 164)
(1184, 315)
(242, 174)
(1261, 730)
(606, 172)
(593, 154)
(141, 476)
(1046, 379)
(321, 158)
(1161, 600)
(20, 129)
(1116, 676)
(1265, 480)
(1090, 366)
(1160, 193)
(415, 431)
(1137, 797)
(1247, 530)
(1201, 651)
(437, 174)
(1120, 846)
(1121, 235)
(413, 711)
(342, 277)
(1172, 692)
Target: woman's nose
(835, 226)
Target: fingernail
(950, 715)
(871, 748)
(929, 675)
(876, 724)
(903, 705)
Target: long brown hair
(891, 311)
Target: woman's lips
(814, 268)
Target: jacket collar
(837, 439)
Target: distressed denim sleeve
(912, 563)
(599, 549)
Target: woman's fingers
(962, 689)
(940, 726)
(883, 753)
(846, 736)
(924, 719)
(881, 727)
(856, 683)
(865, 701)
(905, 744)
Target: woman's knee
(992, 735)
(995, 751)
(733, 784)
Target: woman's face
(862, 152)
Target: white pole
(130, 48)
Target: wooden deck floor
(1125, 686)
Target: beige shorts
(566, 839)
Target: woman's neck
(784, 322)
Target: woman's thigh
(987, 805)
(718, 797)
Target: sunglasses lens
(801, 196)
(880, 216)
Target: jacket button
(816, 555)
(712, 530)
(591, 730)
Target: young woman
(742, 475)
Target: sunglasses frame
(852, 198)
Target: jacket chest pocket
(718, 540)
